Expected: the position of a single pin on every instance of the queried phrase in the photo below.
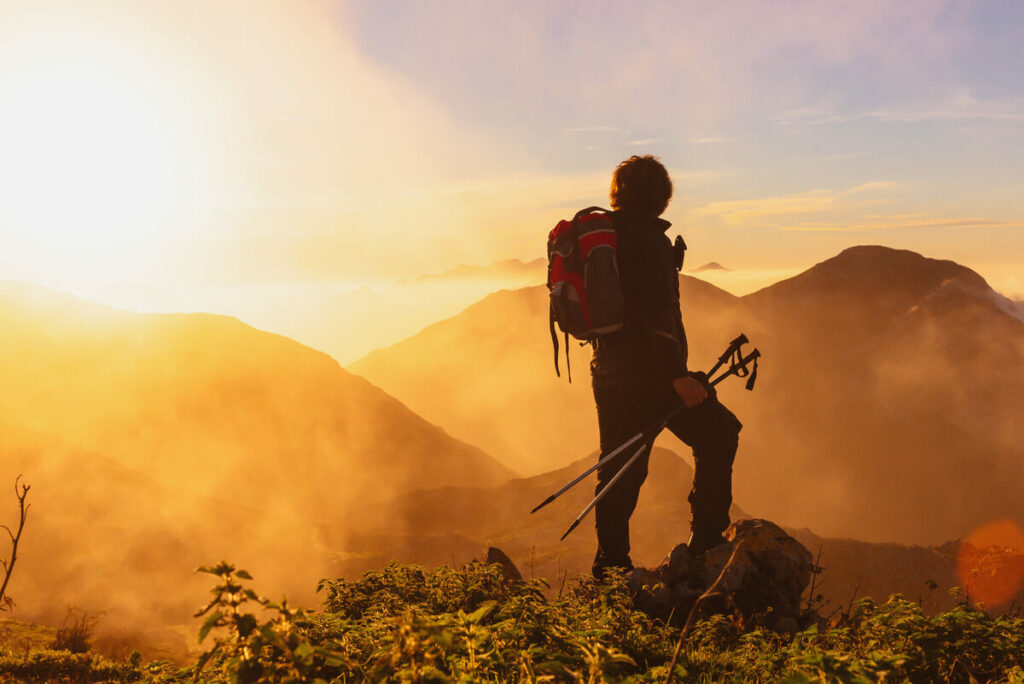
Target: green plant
(274, 650)
(410, 623)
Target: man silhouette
(639, 373)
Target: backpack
(583, 279)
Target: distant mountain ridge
(504, 270)
(427, 525)
(105, 379)
(159, 442)
(348, 322)
(891, 384)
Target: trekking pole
(740, 369)
(604, 459)
(737, 368)
(604, 490)
(733, 348)
(656, 428)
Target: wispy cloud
(956, 107)
(739, 212)
(597, 129)
(840, 211)
(818, 201)
(900, 223)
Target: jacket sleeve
(664, 320)
(681, 353)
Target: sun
(91, 162)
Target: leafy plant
(274, 650)
(408, 623)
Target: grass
(444, 625)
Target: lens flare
(991, 562)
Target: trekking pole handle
(734, 369)
(733, 348)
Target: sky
(156, 148)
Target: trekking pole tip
(542, 504)
(568, 531)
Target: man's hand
(690, 390)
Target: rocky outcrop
(496, 556)
(758, 575)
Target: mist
(879, 378)
(157, 443)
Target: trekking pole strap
(739, 367)
(732, 350)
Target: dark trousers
(710, 429)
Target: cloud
(746, 211)
(958, 106)
(597, 129)
(736, 212)
(841, 211)
(899, 223)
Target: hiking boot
(700, 543)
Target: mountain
(431, 526)
(534, 271)
(711, 266)
(211, 402)
(155, 442)
(452, 525)
(889, 396)
(488, 375)
(345, 321)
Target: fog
(887, 409)
(887, 405)
(156, 443)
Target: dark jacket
(651, 346)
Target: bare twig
(853, 597)
(814, 577)
(711, 592)
(20, 491)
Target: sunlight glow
(90, 159)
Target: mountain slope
(208, 403)
(156, 443)
(488, 375)
(889, 394)
(431, 526)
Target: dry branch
(20, 491)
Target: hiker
(639, 373)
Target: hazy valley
(158, 442)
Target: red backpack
(583, 279)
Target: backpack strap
(554, 337)
(568, 370)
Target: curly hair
(641, 184)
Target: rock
(679, 564)
(642, 579)
(787, 625)
(508, 568)
(759, 573)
